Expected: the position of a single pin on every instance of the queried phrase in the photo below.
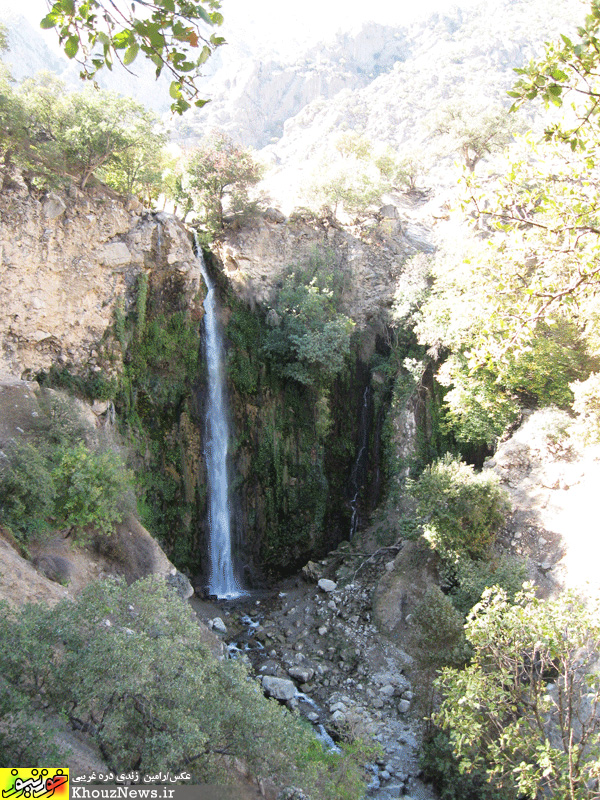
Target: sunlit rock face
(371, 258)
(66, 260)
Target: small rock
(403, 706)
(326, 585)
(218, 625)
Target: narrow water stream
(222, 580)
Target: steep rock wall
(370, 258)
(65, 259)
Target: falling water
(357, 476)
(222, 581)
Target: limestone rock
(53, 206)
(67, 261)
(177, 581)
(326, 585)
(218, 625)
(279, 688)
(312, 571)
(115, 254)
(302, 674)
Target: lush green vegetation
(55, 481)
(309, 340)
(461, 510)
(293, 373)
(511, 321)
(537, 733)
(128, 665)
(55, 136)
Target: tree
(172, 34)
(516, 314)
(475, 132)
(78, 134)
(217, 178)
(526, 710)
(128, 665)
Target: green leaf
(48, 21)
(122, 39)
(175, 90)
(72, 46)
(67, 6)
(204, 55)
(130, 54)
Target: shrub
(459, 508)
(473, 577)
(311, 343)
(90, 490)
(439, 631)
(525, 711)
(128, 665)
(27, 491)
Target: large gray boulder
(279, 688)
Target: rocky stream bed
(314, 646)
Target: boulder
(55, 568)
(279, 688)
(302, 674)
(218, 625)
(326, 585)
(177, 581)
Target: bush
(90, 490)
(441, 768)
(439, 631)
(128, 665)
(472, 578)
(460, 510)
(59, 482)
(27, 491)
(525, 711)
(312, 341)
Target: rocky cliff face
(65, 260)
(370, 257)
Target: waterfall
(222, 581)
(358, 474)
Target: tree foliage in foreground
(173, 34)
(127, 664)
(525, 712)
(515, 314)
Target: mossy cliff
(115, 316)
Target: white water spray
(222, 581)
